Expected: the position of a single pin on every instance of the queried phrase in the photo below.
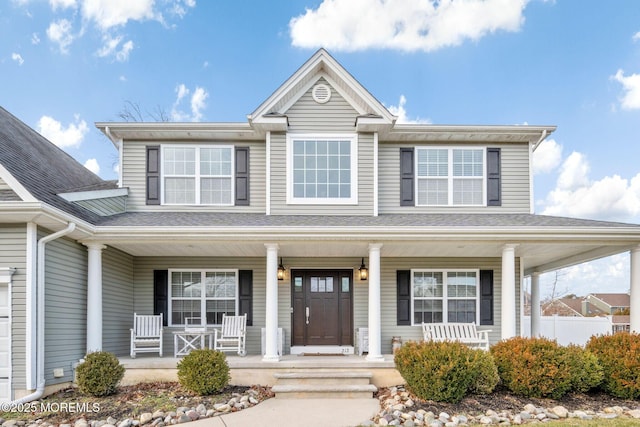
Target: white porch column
(271, 309)
(94, 297)
(508, 308)
(635, 290)
(535, 304)
(375, 330)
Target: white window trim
(353, 200)
(197, 176)
(450, 177)
(203, 298)
(445, 297)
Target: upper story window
(197, 175)
(322, 169)
(450, 176)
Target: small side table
(185, 341)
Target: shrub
(99, 374)
(586, 372)
(533, 367)
(443, 371)
(204, 371)
(486, 373)
(619, 356)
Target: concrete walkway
(298, 412)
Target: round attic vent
(321, 93)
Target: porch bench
(465, 333)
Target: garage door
(5, 343)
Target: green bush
(204, 371)
(99, 374)
(533, 367)
(486, 373)
(444, 371)
(619, 356)
(586, 372)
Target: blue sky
(66, 64)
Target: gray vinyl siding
(105, 207)
(143, 290)
(134, 177)
(117, 301)
(514, 181)
(13, 253)
(306, 115)
(66, 307)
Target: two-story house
(318, 215)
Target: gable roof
(614, 300)
(41, 168)
(320, 65)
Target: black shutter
(407, 177)
(161, 294)
(494, 190)
(245, 283)
(486, 297)
(404, 297)
(242, 176)
(153, 175)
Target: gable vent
(321, 93)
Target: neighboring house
(571, 307)
(321, 181)
(607, 304)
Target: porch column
(94, 297)
(634, 304)
(535, 304)
(271, 309)
(508, 308)
(375, 330)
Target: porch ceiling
(536, 255)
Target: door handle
(307, 313)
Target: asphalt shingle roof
(42, 168)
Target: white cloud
(611, 198)
(400, 112)
(179, 7)
(112, 13)
(406, 25)
(197, 103)
(636, 37)
(63, 137)
(35, 39)
(62, 4)
(18, 58)
(631, 85)
(547, 157)
(60, 32)
(92, 165)
(110, 48)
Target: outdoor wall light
(364, 273)
(281, 270)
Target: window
(322, 170)
(193, 293)
(197, 175)
(444, 296)
(450, 176)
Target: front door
(322, 307)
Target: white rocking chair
(146, 334)
(232, 335)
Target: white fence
(569, 330)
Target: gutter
(542, 138)
(40, 309)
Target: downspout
(533, 149)
(118, 144)
(40, 341)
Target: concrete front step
(315, 384)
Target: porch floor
(251, 370)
